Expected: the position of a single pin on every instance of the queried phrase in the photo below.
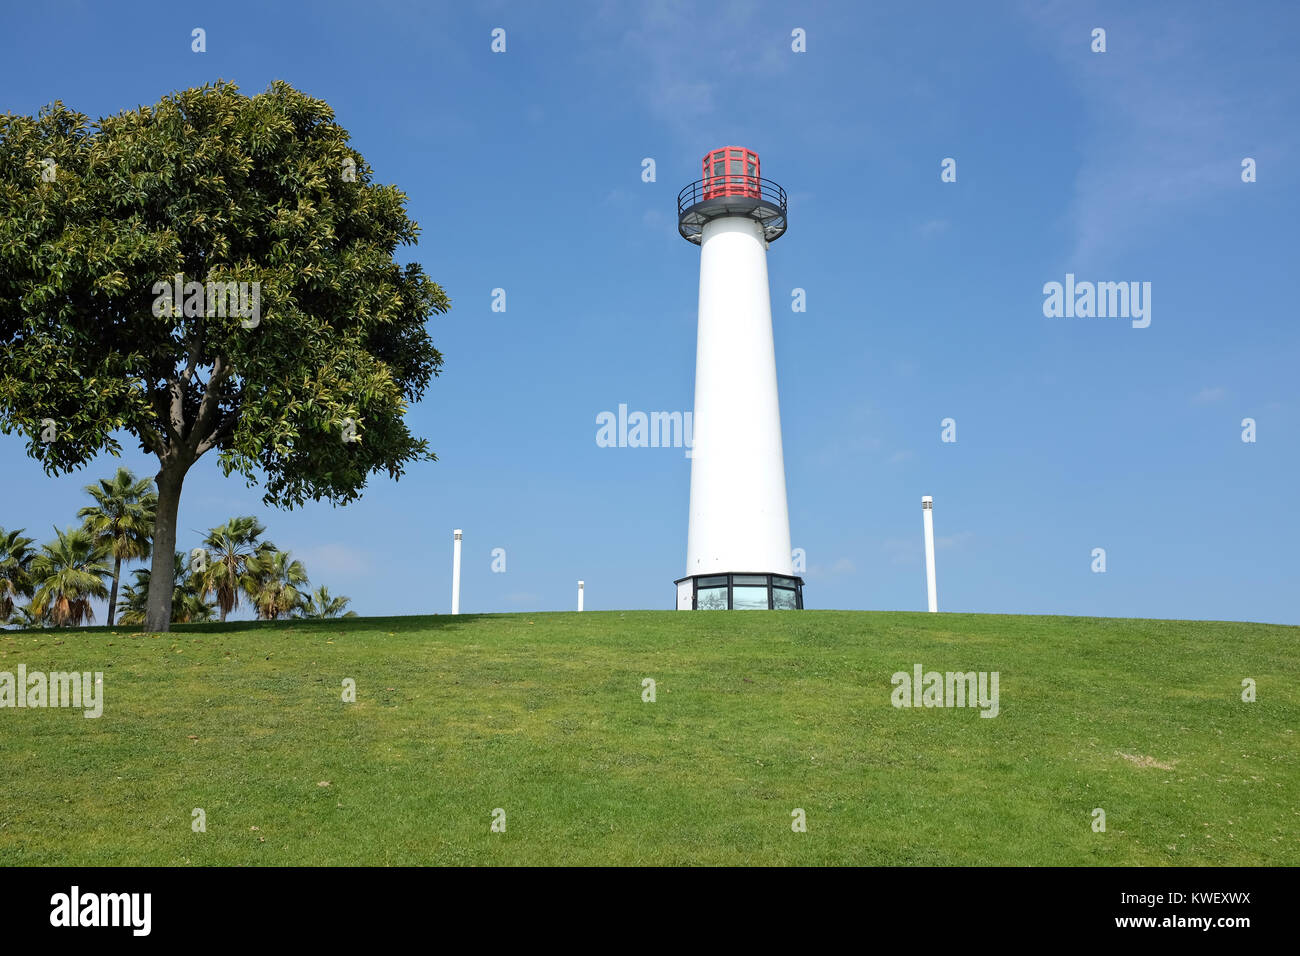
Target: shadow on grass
(950, 624)
(386, 625)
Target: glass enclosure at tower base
(740, 592)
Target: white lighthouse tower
(738, 546)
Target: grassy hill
(755, 715)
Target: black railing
(715, 197)
(731, 187)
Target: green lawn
(756, 714)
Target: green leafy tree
(69, 572)
(190, 604)
(121, 521)
(301, 380)
(319, 605)
(275, 582)
(15, 571)
(229, 547)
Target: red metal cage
(731, 171)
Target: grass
(755, 715)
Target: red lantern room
(731, 186)
(731, 171)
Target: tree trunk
(112, 595)
(162, 574)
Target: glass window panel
(783, 599)
(711, 599)
(713, 581)
(750, 579)
(735, 167)
(717, 169)
(749, 599)
(783, 582)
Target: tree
(121, 521)
(319, 604)
(189, 598)
(132, 603)
(68, 573)
(190, 605)
(274, 582)
(294, 342)
(229, 547)
(15, 571)
(26, 619)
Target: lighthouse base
(739, 592)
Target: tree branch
(176, 412)
(160, 407)
(202, 434)
(153, 441)
(221, 431)
(192, 362)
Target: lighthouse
(738, 553)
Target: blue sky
(924, 298)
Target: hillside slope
(755, 715)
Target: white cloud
(903, 550)
(1164, 122)
(333, 559)
(840, 566)
(690, 58)
(951, 541)
(933, 227)
(912, 550)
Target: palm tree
(189, 597)
(320, 605)
(26, 620)
(121, 521)
(190, 604)
(15, 570)
(132, 601)
(273, 581)
(69, 572)
(229, 548)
